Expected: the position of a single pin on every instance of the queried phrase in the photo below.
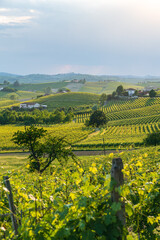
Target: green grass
(9, 162)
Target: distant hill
(3, 74)
(43, 78)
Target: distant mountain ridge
(43, 78)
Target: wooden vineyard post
(117, 181)
(104, 147)
(11, 204)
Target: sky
(113, 37)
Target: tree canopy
(152, 93)
(42, 153)
(97, 118)
(103, 98)
(119, 90)
(152, 139)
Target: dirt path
(77, 153)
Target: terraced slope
(115, 106)
(134, 111)
(126, 126)
(115, 136)
(68, 99)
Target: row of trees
(34, 117)
(120, 91)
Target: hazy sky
(82, 36)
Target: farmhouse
(131, 91)
(31, 105)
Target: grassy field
(11, 162)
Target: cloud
(9, 20)
(72, 34)
(16, 17)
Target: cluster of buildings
(29, 105)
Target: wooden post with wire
(104, 147)
(11, 204)
(117, 181)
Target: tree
(152, 93)
(95, 107)
(119, 90)
(5, 82)
(48, 90)
(152, 139)
(103, 98)
(8, 89)
(16, 83)
(13, 97)
(42, 153)
(114, 94)
(59, 117)
(97, 118)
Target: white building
(131, 91)
(31, 105)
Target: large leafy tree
(152, 93)
(119, 90)
(152, 139)
(42, 153)
(103, 98)
(97, 118)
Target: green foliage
(16, 83)
(103, 99)
(48, 90)
(119, 90)
(152, 139)
(97, 118)
(34, 116)
(42, 154)
(152, 93)
(95, 107)
(61, 90)
(71, 131)
(8, 89)
(13, 97)
(74, 202)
